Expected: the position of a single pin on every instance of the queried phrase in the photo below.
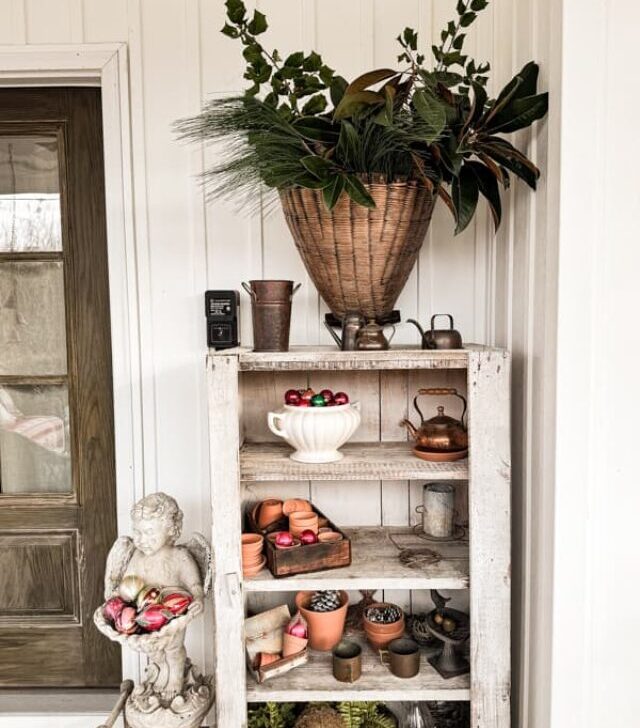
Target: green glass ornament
(318, 401)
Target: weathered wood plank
(224, 437)
(375, 565)
(490, 534)
(321, 358)
(362, 461)
(315, 681)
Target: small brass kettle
(371, 337)
(442, 432)
(439, 338)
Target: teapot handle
(435, 316)
(440, 392)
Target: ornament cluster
(309, 398)
(141, 608)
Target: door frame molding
(106, 65)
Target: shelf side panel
(224, 437)
(490, 538)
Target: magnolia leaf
(353, 103)
(446, 198)
(317, 166)
(331, 193)
(304, 180)
(358, 192)
(488, 185)
(519, 114)
(337, 90)
(509, 157)
(369, 79)
(465, 194)
(432, 112)
(258, 24)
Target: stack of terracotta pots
(253, 560)
(381, 634)
(300, 521)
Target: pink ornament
(176, 601)
(298, 627)
(308, 537)
(112, 608)
(341, 398)
(304, 403)
(126, 621)
(292, 396)
(154, 617)
(284, 539)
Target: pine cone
(319, 716)
(325, 601)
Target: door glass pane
(34, 439)
(29, 194)
(32, 322)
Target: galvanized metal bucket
(271, 313)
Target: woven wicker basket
(360, 258)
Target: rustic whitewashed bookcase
(372, 493)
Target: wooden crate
(306, 559)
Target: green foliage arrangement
(301, 124)
(272, 715)
(365, 715)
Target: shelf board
(315, 682)
(329, 358)
(261, 462)
(376, 565)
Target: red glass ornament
(327, 394)
(308, 537)
(284, 539)
(341, 398)
(292, 396)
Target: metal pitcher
(351, 325)
(271, 313)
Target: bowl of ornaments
(315, 424)
(144, 617)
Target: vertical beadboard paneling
(13, 27)
(50, 21)
(104, 21)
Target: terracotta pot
(254, 570)
(291, 644)
(249, 561)
(382, 641)
(252, 542)
(380, 635)
(329, 537)
(296, 504)
(299, 522)
(296, 543)
(269, 512)
(325, 628)
(266, 658)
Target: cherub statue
(153, 558)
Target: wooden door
(57, 470)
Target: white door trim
(105, 65)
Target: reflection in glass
(29, 195)
(34, 439)
(32, 319)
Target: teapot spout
(411, 427)
(417, 325)
(336, 338)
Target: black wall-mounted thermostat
(222, 309)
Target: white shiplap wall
(177, 59)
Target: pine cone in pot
(325, 601)
(319, 716)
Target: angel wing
(200, 549)
(117, 562)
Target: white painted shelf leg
(231, 711)
(490, 538)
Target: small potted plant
(325, 613)
(359, 166)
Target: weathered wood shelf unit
(372, 494)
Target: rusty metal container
(271, 313)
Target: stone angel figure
(143, 569)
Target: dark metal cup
(402, 657)
(347, 661)
(271, 313)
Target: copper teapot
(440, 432)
